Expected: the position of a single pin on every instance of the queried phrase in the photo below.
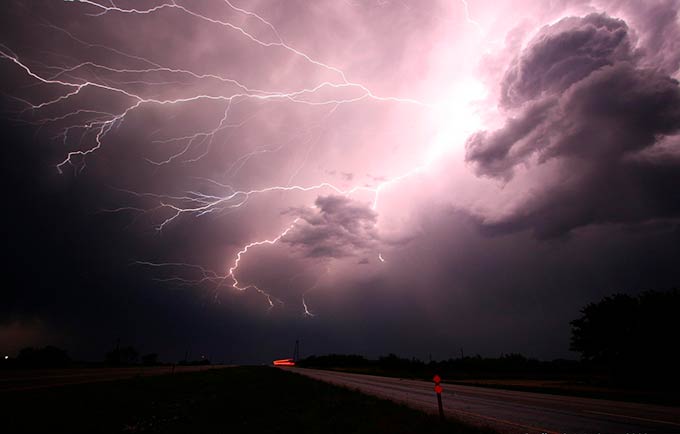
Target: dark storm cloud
(657, 26)
(338, 227)
(562, 54)
(520, 135)
(583, 100)
(590, 100)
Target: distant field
(234, 400)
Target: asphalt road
(512, 411)
(17, 380)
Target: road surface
(30, 379)
(512, 411)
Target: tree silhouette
(150, 359)
(635, 337)
(122, 356)
(603, 332)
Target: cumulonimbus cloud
(583, 96)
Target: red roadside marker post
(438, 390)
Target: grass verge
(231, 400)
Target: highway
(511, 411)
(29, 379)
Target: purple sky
(366, 176)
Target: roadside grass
(230, 400)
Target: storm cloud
(580, 97)
(338, 227)
(366, 177)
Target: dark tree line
(634, 337)
(623, 340)
(54, 357)
(506, 365)
(46, 357)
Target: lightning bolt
(84, 124)
(304, 305)
(466, 7)
(235, 283)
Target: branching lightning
(82, 123)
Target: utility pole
(296, 352)
(116, 353)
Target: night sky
(415, 177)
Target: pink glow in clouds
(301, 143)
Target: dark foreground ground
(233, 400)
(17, 380)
